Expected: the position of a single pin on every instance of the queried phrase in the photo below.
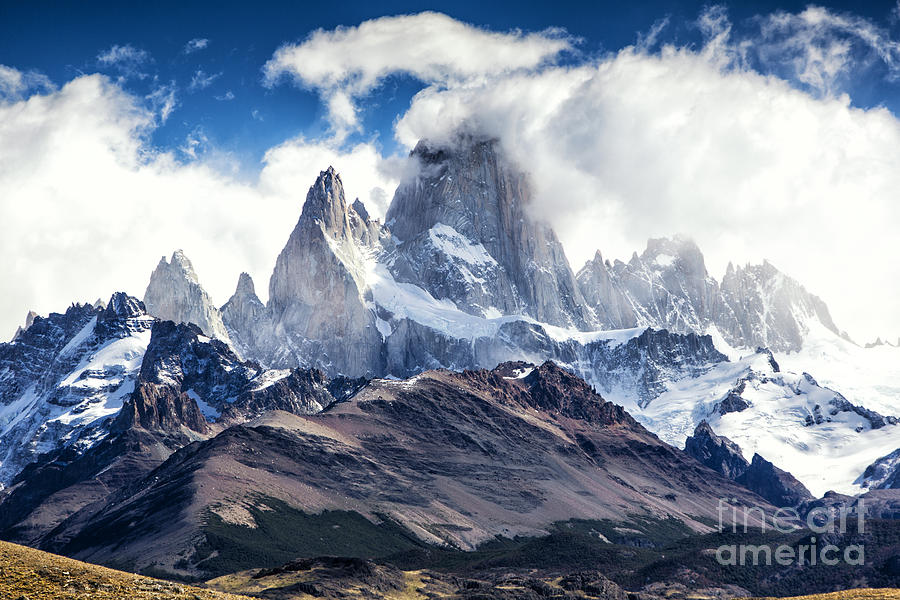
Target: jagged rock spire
(317, 290)
(175, 294)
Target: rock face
(244, 316)
(667, 286)
(317, 305)
(761, 306)
(466, 236)
(716, 452)
(777, 486)
(175, 294)
(759, 476)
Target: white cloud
(202, 80)
(228, 95)
(637, 144)
(164, 100)
(127, 58)
(349, 62)
(642, 144)
(89, 207)
(195, 45)
(15, 83)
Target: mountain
(882, 474)
(716, 452)
(668, 286)
(761, 306)
(109, 413)
(317, 305)
(243, 316)
(759, 476)
(175, 294)
(141, 389)
(442, 458)
(65, 376)
(466, 235)
(808, 429)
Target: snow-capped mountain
(788, 418)
(461, 276)
(65, 376)
(668, 286)
(68, 380)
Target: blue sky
(763, 131)
(64, 39)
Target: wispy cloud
(202, 80)
(163, 100)
(195, 143)
(228, 95)
(195, 45)
(818, 49)
(127, 59)
(15, 83)
(123, 54)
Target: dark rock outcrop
(777, 486)
(716, 452)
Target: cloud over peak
(348, 62)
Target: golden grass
(858, 594)
(30, 574)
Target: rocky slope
(443, 458)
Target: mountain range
(436, 380)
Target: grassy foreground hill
(860, 594)
(29, 574)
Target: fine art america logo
(828, 522)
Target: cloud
(195, 45)
(89, 205)
(228, 95)
(127, 60)
(644, 144)
(163, 100)
(15, 83)
(819, 49)
(349, 62)
(202, 80)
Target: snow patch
(452, 243)
(208, 411)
